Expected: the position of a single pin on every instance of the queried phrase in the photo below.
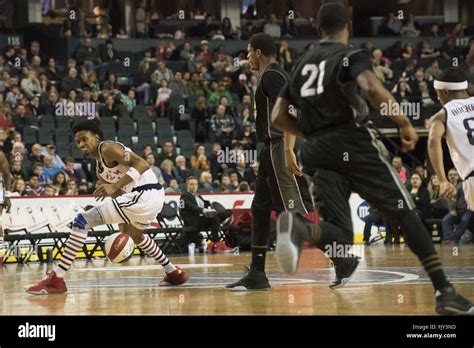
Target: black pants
(350, 159)
(276, 189)
(206, 224)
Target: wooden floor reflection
(388, 282)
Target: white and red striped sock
(74, 243)
(149, 247)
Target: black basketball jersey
(270, 84)
(323, 86)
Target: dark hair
(332, 18)
(70, 159)
(452, 75)
(87, 125)
(264, 43)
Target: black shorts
(275, 188)
(351, 159)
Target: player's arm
(435, 151)
(378, 96)
(5, 168)
(116, 153)
(281, 116)
(273, 84)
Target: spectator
(77, 175)
(36, 154)
(458, 215)
(225, 184)
(227, 30)
(207, 54)
(34, 186)
(244, 187)
(108, 52)
(402, 92)
(206, 28)
(221, 92)
(408, 52)
(142, 81)
(164, 93)
(112, 84)
(453, 177)
(178, 85)
(161, 73)
(382, 72)
(49, 169)
(16, 171)
(234, 182)
(87, 54)
(109, 109)
(150, 158)
(168, 153)
(181, 170)
(397, 164)
(71, 188)
(198, 213)
(425, 97)
(222, 127)
(410, 28)
(393, 24)
(206, 182)
(19, 188)
(173, 187)
(288, 27)
(57, 161)
(246, 136)
(186, 52)
(6, 122)
(59, 183)
(426, 51)
(272, 28)
(21, 121)
(198, 85)
(420, 196)
(434, 189)
(217, 166)
(38, 171)
(433, 71)
(31, 85)
(129, 100)
(168, 171)
(49, 191)
(13, 96)
(286, 55)
(199, 159)
(83, 188)
(71, 82)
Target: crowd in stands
(178, 105)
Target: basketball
(119, 247)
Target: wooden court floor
(389, 281)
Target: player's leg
(255, 277)
(331, 235)
(374, 178)
(54, 283)
(174, 274)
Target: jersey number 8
(469, 125)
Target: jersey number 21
(314, 71)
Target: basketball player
(276, 188)
(343, 155)
(5, 202)
(137, 199)
(455, 121)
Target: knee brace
(86, 220)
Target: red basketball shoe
(51, 285)
(177, 277)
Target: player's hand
(447, 190)
(291, 163)
(409, 137)
(7, 204)
(104, 190)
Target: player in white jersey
(455, 122)
(137, 198)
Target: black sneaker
(290, 239)
(449, 302)
(345, 268)
(253, 280)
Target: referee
(276, 189)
